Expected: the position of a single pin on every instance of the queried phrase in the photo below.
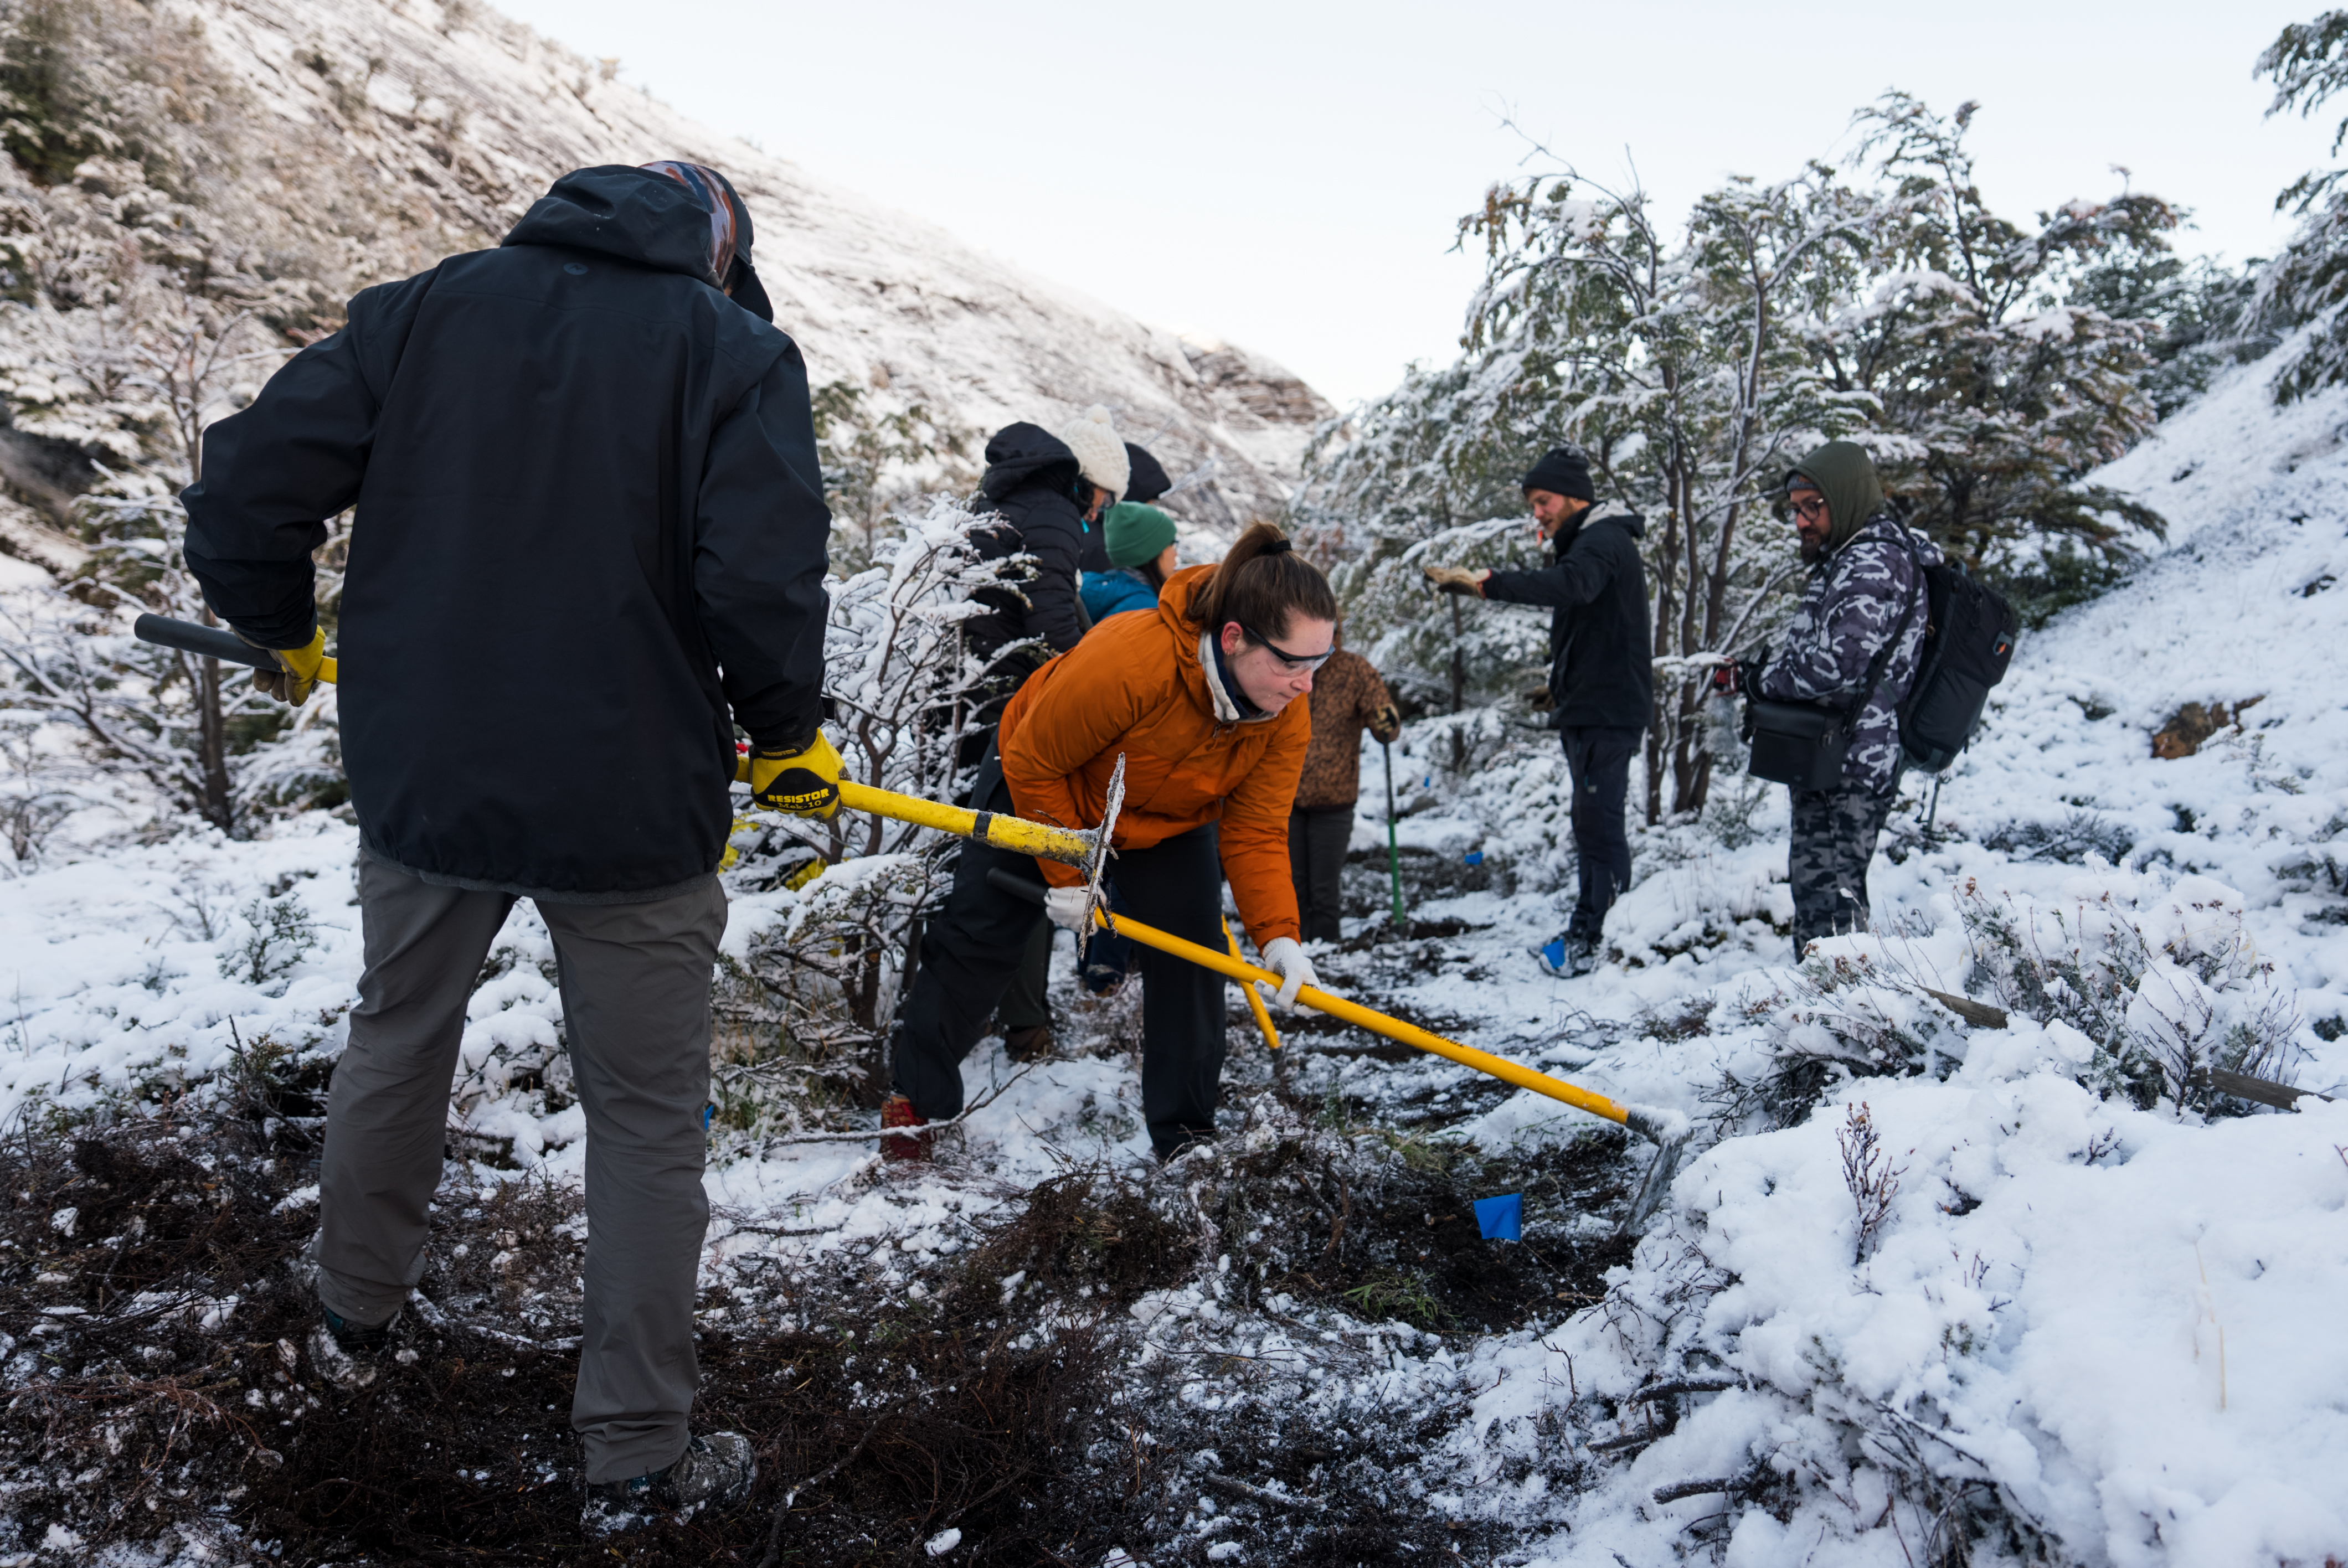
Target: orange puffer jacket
(1137, 685)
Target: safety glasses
(1288, 661)
(1809, 508)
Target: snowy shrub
(2152, 984)
(2162, 977)
(144, 388)
(2072, 840)
(811, 995)
(1693, 892)
(278, 935)
(35, 793)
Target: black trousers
(1317, 838)
(971, 952)
(1598, 758)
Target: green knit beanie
(1135, 533)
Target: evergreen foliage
(1981, 360)
(879, 456)
(2308, 283)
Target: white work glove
(1070, 908)
(1285, 955)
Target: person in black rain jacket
(1601, 672)
(590, 539)
(1032, 483)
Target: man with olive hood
(1865, 594)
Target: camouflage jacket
(1853, 602)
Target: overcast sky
(1290, 175)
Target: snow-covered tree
(1695, 364)
(881, 454)
(1677, 360)
(1998, 387)
(2308, 283)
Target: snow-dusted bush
(2144, 983)
(814, 989)
(2161, 975)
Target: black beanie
(1562, 471)
(1147, 477)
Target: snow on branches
(907, 702)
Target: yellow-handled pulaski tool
(1088, 852)
(1254, 997)
(1659, 1127)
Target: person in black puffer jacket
(1601, 672)
(1049, 492)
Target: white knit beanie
(1099, 449)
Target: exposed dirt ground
(154, 1300)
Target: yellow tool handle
(1254, 997)
(1014, 834)
(1500, 1066)
(327, 671)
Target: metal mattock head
(1097, 867)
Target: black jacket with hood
(590, 537)
(1600, 649)
(1031, 480)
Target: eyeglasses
(1810, 508)
(1290, 660)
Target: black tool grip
(1018, 887)
(211, 641)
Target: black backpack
(1968, 643)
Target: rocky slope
(279, 155)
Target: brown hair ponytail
(1260, 583)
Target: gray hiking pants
(635, 1010)
(1835, 832)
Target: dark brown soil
(159, 1388)
(129, 1419)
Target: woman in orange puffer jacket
(1200, 701)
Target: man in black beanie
(1600, 678)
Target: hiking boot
(1168, 1153)
(1103, 981)
(897, 1111)
(1567, 956)
(347, 1354)
(716, 1471)
(1033, 1043)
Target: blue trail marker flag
(1501, 1219)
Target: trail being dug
(1036, 1392)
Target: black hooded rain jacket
(589, 538)
(1602, 660)
(1031, 478)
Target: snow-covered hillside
(1925, 1291)
(339, 144)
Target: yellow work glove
(804, 782)
(297, 667)
(1458, 579)
(1386, 724)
